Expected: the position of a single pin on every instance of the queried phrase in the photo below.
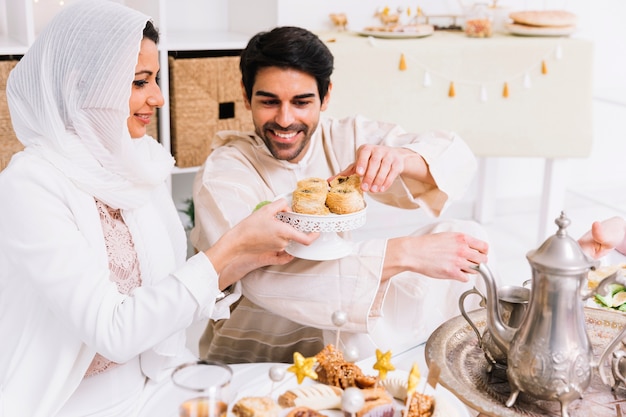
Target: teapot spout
(501, 333)
(604, 286)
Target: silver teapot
(549, 356)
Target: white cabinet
(16, 26)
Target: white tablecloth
(546, 115)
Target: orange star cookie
(302, 367)
(383, 363)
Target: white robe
(241, 172)
(57, 303)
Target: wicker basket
(8, 141)
(205, 97)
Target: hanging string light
(406, 59)
(527, 82)
(402, 66)
(427, 80)
(483, 93)
(558, 53)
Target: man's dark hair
(287, 47)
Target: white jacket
(58, 306)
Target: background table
(545, 115)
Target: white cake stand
(329, 245)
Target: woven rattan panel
(8, 141)
(205, 97)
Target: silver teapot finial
(562, 222)
(560, 254)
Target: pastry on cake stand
(329, 245)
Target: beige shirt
(241, 172)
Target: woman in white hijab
(95, 290)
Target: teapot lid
(560, 253)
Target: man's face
(286, 108)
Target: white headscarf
(68, 98)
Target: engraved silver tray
(454, 347)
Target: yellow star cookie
(383, 363)
(414, 379)
(302, 367)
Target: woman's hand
(258, 240)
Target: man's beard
(276, 148)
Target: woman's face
(146, 95)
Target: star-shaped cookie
(383, 363)
(414, 379)
(302, 367)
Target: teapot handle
(483, 303)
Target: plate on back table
(399, 32)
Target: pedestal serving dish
(329, 245)
(455, 349)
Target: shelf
(186, 170)
(9, 46)
(204, 40)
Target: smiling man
(391, 290)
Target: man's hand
(447, 255)
(379, 166)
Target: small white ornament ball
(339, 318)
(352, 400)
(351, 354)
(277, 373)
